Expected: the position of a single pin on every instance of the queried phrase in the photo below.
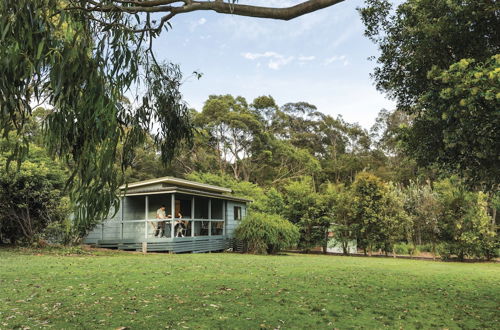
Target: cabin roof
(176, 190)
(177, 183)
(168, 185)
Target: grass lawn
(117, 289)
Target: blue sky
(320, 58)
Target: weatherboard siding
(231, 222)
(130, 235)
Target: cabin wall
(111, 226)
(133, 208)
(231, 222)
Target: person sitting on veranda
(180, 226)
(160, 225)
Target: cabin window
(201, 228)
(217, 209)
(156, 201)
(237, 213)
(183, 205)
(182, 228)
(134, 208)
(217, 228)
(201, 208)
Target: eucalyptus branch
(175, 7)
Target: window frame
(238, 213)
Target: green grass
(111, 290)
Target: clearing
(223, 290)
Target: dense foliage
(80, 58)
(32, 198)
(448, 217)
(266, 233)
(439, 61)
(71, 64)
(465, 229)
(384, 188)
(458, 119)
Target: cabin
(195, 217)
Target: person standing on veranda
(160, 225)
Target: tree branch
(185, 6)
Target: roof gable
(171, 181)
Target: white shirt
(160, 214)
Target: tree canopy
(438, 60)
(80, 59)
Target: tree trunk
(345, 248)
(419, 236)
(494, 219)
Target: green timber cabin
(208, 213)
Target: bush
(31, 198)
(401, 248)
(465, 226)
(445, 250)
(490, 248)
(406, 249)
(60, 232)
(266, 233)
(426, 248)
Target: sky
(320, 58)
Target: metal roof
(178, 183)
(174, 190)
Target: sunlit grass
(112, 290)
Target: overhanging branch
(175, 7)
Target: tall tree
(422, 206)
(236, 132)
(458, 124)
(368, 193)
(80, 57)
(454, 112)
(420, 34)
(303, 207)
(464, 226)
(337, 200)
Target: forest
(298, 166)
(424, 176)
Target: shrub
(31, 198)
(428, 247)
(60, 232)
(465, 226)
(303, 207)
(401, 248)
(266, 233)
(445, 251)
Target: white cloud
(275, 62)
(197, 23)
(278, 62)
(254, 56)
(306, 58)
(341, 58)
